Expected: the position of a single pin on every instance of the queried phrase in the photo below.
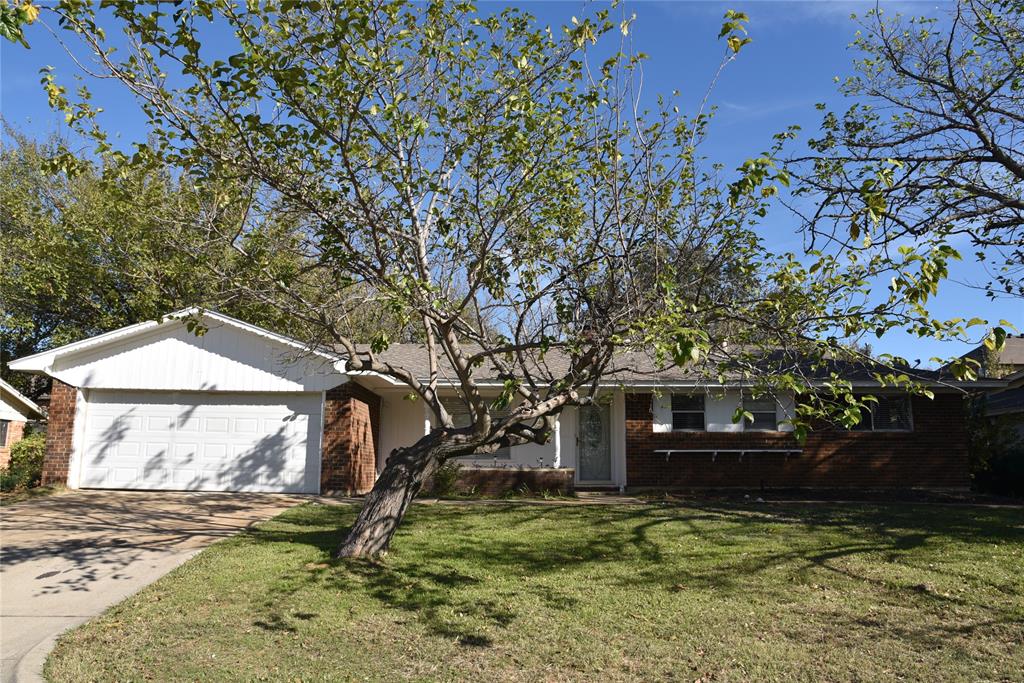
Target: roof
(14, 397)
(637, 368)
(629, 368)
(41, 362)
(1012, 354)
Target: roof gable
(229, 356)
(16, 404)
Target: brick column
(351, 435)
(60, 426)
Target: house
(15, 412)
(239, 408)
(1003, 405)
(1008, 361)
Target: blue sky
(798, 48)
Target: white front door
(201, 441)
(594, 445)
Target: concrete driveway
(66, 558)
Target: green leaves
(13, 19)
(734, 30)
(996, 339)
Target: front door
(593, 440)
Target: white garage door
(199, 441)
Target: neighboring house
(1007, 405)
(15, 412)
(1008, 361)
(1003, 404)
(152, 406)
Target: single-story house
(15, 412)
(153, 406)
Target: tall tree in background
(491, 182)
(90, 248)
(86, 251)
(933, 148)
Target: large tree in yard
(493, 183)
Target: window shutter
(661, 411)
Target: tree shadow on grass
(519, 541)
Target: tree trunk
(386, 504)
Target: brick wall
(934, 455)
(60, 427)
(351, 438)
(497, 481)
(15, 432)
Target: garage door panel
(195, 441)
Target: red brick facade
(15, 432)
(933, 455)
(350, 440)
(60, 427)
(498, 481)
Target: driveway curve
(66, 558)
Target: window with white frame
(762, 414)
(688, 412)
(460, 415)
(889, 414)
(4, 425)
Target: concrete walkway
(66, 558)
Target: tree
(86, 251)
(931, 149)
(494, 184)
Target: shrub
(26, 467)
(8, 482)
(1004, 474)
(445, 479)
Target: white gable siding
(170, 358)
(11, 412)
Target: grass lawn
(718, 592)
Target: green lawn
(531, 593)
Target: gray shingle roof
(642, 368)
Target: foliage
(445, 479)
(930, 151)
(14, 17)
(25, 469)
(86, 251)
(535, 592)
(996, 451)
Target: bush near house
(26, 467)
(996, 451)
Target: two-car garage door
(201, 441)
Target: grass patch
(21, 495)
(723, 592)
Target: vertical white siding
(720, 406)
(401, 423)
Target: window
(890, 414)
(460, 417)
(687, 412)
(763, 410)
(3, 431)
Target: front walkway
(66, 558)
